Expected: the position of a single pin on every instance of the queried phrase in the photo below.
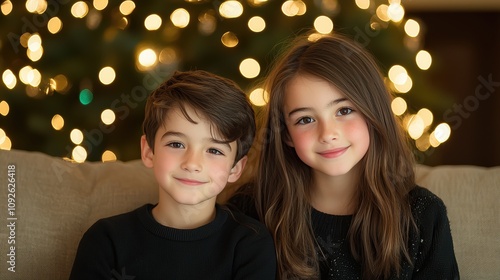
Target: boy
(198, 128)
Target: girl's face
(326, 130)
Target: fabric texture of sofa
(49, 203)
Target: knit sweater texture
(135, 246)
(430, 247)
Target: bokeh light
(79, 154)
(127, 7)
(259, 97)
(423, 59)
(107, 75)
(231, 9)
(54, 25)
(416, 127)
(363, 4)
(79, 9)
(4, 108)
(180, 17)
(323, 24)
(108, 116)
(86, 96)
(229, 39)
(249, 68)
(398, 106)
(256, 24)
(76, 136)
(152, 22)
(108, 156)
(57, 122)
(412, 28)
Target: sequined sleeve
(432, 246)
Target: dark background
(465, 46)
(461, 87)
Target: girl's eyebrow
(332, 103)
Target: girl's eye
(344, 111)
(175, 145)
(305, 120)
(215, 151)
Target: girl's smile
(333, 153)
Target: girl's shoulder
(425, 203)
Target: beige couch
(56, 201)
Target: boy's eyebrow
(333, 102)
(221, 142)
(172, 133)
(180, 134)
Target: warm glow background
(75, 74)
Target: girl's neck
(172, 214)
(335, 195)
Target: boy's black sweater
(134, 246)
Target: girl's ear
(287, 139)
(146, 153)
(237, 170)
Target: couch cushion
(472, 196)
(56, 201)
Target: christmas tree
(76, 74)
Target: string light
(323, 24)
(57, 122)
(149, 55)
(423, 59)
(249, 68)
(54, 25)
(231, 9)
(4, 108)
(108, 156)
(180, 18)
(412, 28)
(86, 96)
(256, 24)
(259, 97)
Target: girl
(335, 183)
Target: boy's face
(191, 167)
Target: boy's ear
(146, 153)
(237, 170)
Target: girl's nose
(328, 131)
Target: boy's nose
(192, 162)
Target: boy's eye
(305, 120)
(344, 111)
(175, 145)
(215, 151)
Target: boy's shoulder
(119, 222)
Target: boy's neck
(178, 216)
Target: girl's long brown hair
(379, 231)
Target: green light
(86, 96)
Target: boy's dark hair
(216, 98)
